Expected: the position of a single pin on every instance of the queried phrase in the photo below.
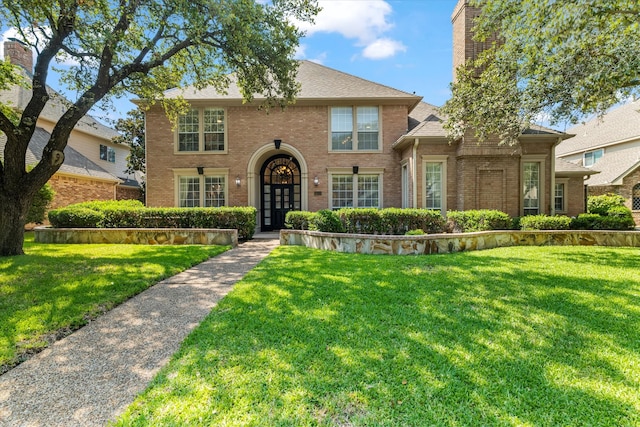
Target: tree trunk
(13, 215)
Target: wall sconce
(355, 170)
(238, 180)
(316, 181)
(277, 143)
(200, 170)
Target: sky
(404, 44)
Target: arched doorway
(280, 190)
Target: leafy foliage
(558, 60)
(326, 221)
(477, 220)
(131, 129)
(601, 205)
(545, 222)
(298, 220)
(40, 203)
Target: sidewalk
(89, 377)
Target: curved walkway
(89, 377)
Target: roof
(614, 166)
(567, 168)
(56, 106)
(74, 162)
(317, 82)
(616, 126)
(426, 121)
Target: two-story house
(348, 142)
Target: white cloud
(363, 21)
(383, 48)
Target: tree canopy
(554, 61)
(131, 130)
(143, 47)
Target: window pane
(591, 157)
(189, 191)
(103, 152)
(531, 186)
(214, 187)
(559, 198)
(341, 128)
(433, 186)
(367, 119)
(111, 155)
(214, 129)
(341, 191)
(368, 191)
(188, 131)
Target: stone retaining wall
(138, 236)
(445, 243)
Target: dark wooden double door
(280, 190)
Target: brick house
(610, 148)
(94, 166)
(347, 142)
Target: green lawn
(530, 336)
(54, 289)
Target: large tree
(142, 47)
(554, 61)
(131, 130)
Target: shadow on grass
(502, 337)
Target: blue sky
(405, 44)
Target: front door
(280, 185)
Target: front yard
(524, 336)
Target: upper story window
(201, 130)
(107, 153)
(591, 157)
(355, 128)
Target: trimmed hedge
(545, 222)
(298, 220)
(602, 204)
(132, 214)
(477, 220)
(400, 221)
(326, 221)
(599, 222)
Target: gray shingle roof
(614, 166)
(565, 167)
(317, 82)
(74, 162)
(618, 125)
(426, 121)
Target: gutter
(414, 173)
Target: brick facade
(625, 190)
(74, 189)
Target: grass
(524, 336)
(54, 289)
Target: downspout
(553, 178)
(414, 173)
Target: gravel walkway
(89, 377)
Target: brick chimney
(19, 53)
(464, 47)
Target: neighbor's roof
(567, 168)
(317, 82)
(616, 126)
(426, 121)
(614, 166)
(74, 162)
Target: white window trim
(405, 180)
(565, 182)
(543, 190)
(201, 150)
(193, 172)
(584, 157)
(442, 159)
(361, 171)
(354, 130)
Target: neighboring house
(89, 139)
(609, 145)
(347, 142)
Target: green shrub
(545, 222)
(602, 204)
(600, 222)
(40, 203)
(417, 232)
(76, 218)
(361, 220)
(477, 220)
(399, 221)
(326, 221)
(298, 220)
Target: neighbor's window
(559, 197)
(364, 135)
(361, 191)
(208, 137)
(196, 191)
(591, 157)
(107, 153)
(635, 198)
(531, 189)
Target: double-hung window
(591, 157)
(107, 153)
(435, 185)
(355, 128)
(356, 190)
(531, 188)
(560, 192)
(208, 190)
(201, 130)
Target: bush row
(412, 221)
(132, 214)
